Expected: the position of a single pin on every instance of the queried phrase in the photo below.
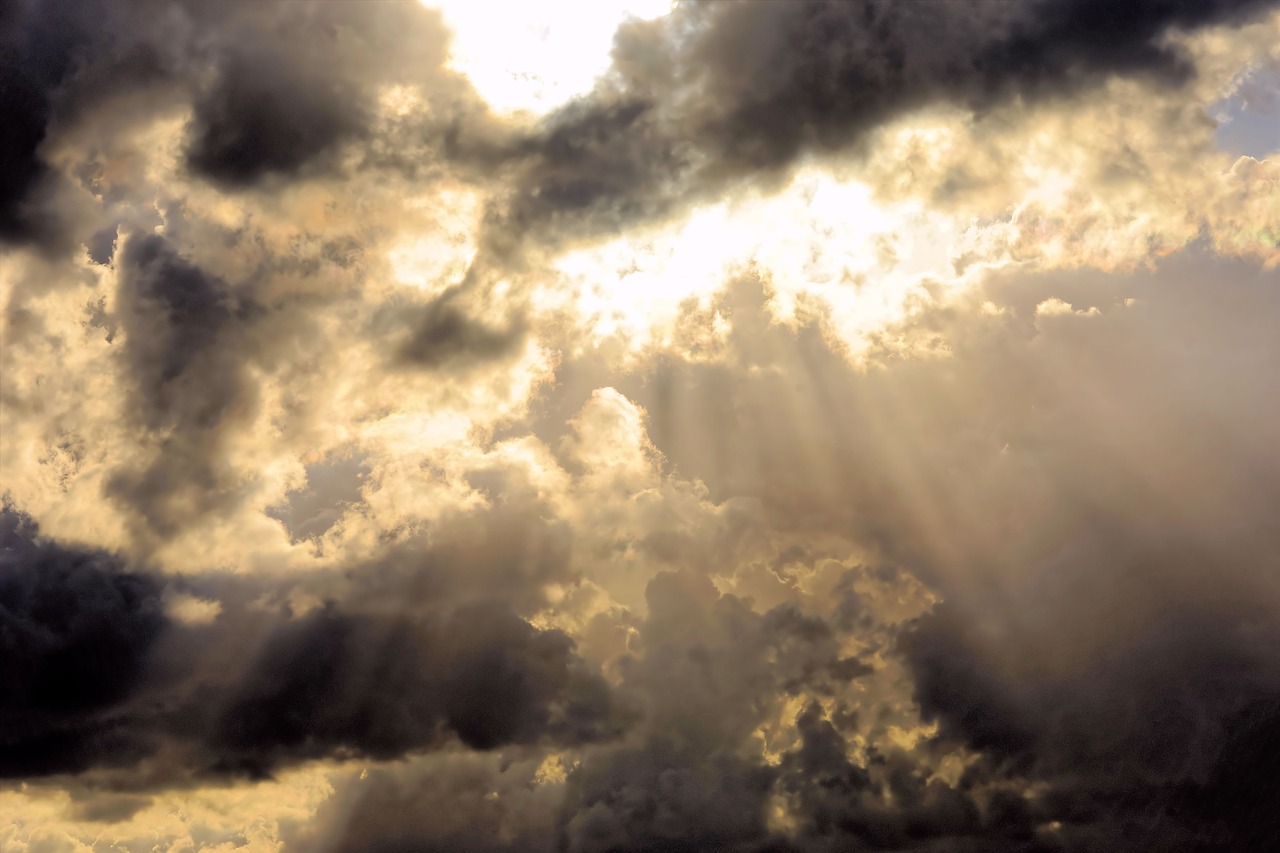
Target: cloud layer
(848, 426)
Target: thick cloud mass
(97, 674)
(722, 94)
(274, 88)
(77, 629)
(841, 426)
(333, 683)
(1110, 619)
(258, 120)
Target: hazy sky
(630, 426)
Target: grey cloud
(892, 804)
(187, 348)
(478, 803)
(718, 96)
(53, 57)
(277, 90)
(196, 352)
(510, 552)
(1090, 495)
(261, 119)
(703, 102)
(78, 628)
(99, 678)
(175, 317)
(444, 335)
(709, 671)
(296, 81)
(1105, 647)
(364, 685)
(108, 807)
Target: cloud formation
(847, 426)
(717, 96)
(104, 677)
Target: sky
(761, 427)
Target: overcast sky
(627, 426)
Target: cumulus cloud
(846, 426)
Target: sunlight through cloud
(532, 57)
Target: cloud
(102, 679)
(354, 685)
(266, 117)
(274, 90)
(78, 629)
(1089, 589)
(186, 341)
(445, 335)
(410, 477)
(712, 97)
(1100, 605)
(459, 801)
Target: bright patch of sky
(533, 57)
(1249, 118)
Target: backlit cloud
(743, 426)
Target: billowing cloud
(715, 96)
(101, 676)
(77, 630)
(841, 426)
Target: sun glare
(532, 57)
(820, 237)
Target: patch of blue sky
(1249, 119)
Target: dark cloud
(1235, 798)
(76, 632)
(175, 317)
(98, 677)
(343, 684)
(698, 104)
(443, 335)
(63, 64)
(43, 50)
(891, 803)
(23, 174)
(717, 96)
(260, 119)
(1106, 644)
(187, 349)
(668, 795)
(710, 672)
(1091, 497)
(295, 81)
(706, 673)
(414, 652)
(276, 88)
